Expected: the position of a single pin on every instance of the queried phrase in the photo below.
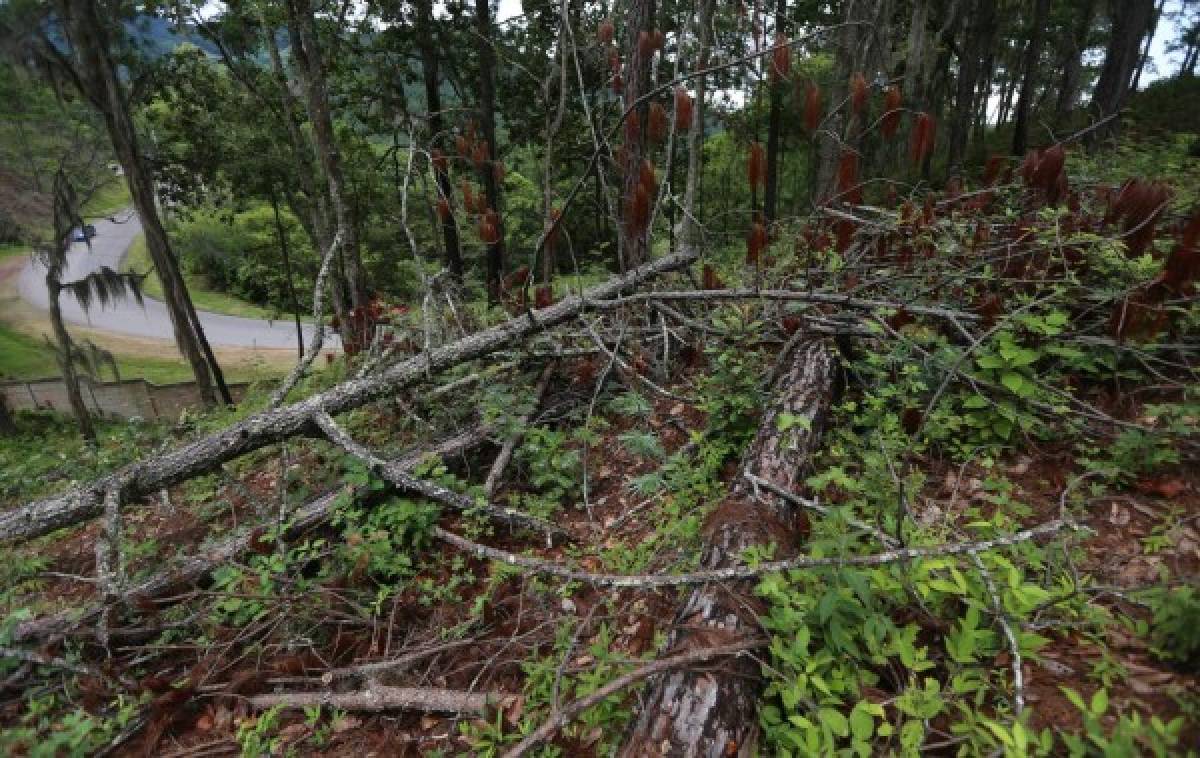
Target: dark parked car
(84, 233)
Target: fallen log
(713, 713)
(150, 475)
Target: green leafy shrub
(1175, 629)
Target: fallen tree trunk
(150, 475)
(713, 713)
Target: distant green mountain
(156, 36)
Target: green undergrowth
(204, 297)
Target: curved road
(108, 248)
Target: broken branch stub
(713, 713)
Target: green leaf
(1099, 702)
(1013, 381)
(834, 721)
(862, 724)
(1075, 698)
(786, 421)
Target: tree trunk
(8, 427)
(556, 80)
(1033, 52)
(713, 713)
(1072, 63)
(688, 228)
(1130, 20)
(484, 40)
(634, 247)
(306, 49)
(281, 234)
(774, 125)
(1145, 56)
(1009, 88)
(859, 49)
(1190, 57)
(437, 131)
(971, 62)
(88, 37)
(314, 211)
(66, 364)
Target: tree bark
(430, 69)
(1130, 20)
(1033, 52)
(484, 40)
(713, 713)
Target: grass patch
(205, 299)
(8, 251)
(26, 357)
(108, 199)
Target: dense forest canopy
(670, 378)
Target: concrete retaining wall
(124, 399)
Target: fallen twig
(737, 573)
(400, 477)
(379, 697)
(510, 444)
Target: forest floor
(472, 625)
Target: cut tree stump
(713, 712)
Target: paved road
(108, 248)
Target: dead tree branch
(400, 478)
(743, 572)
(510, 444)
(150, 475)
(380, 697)
(186, 571)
